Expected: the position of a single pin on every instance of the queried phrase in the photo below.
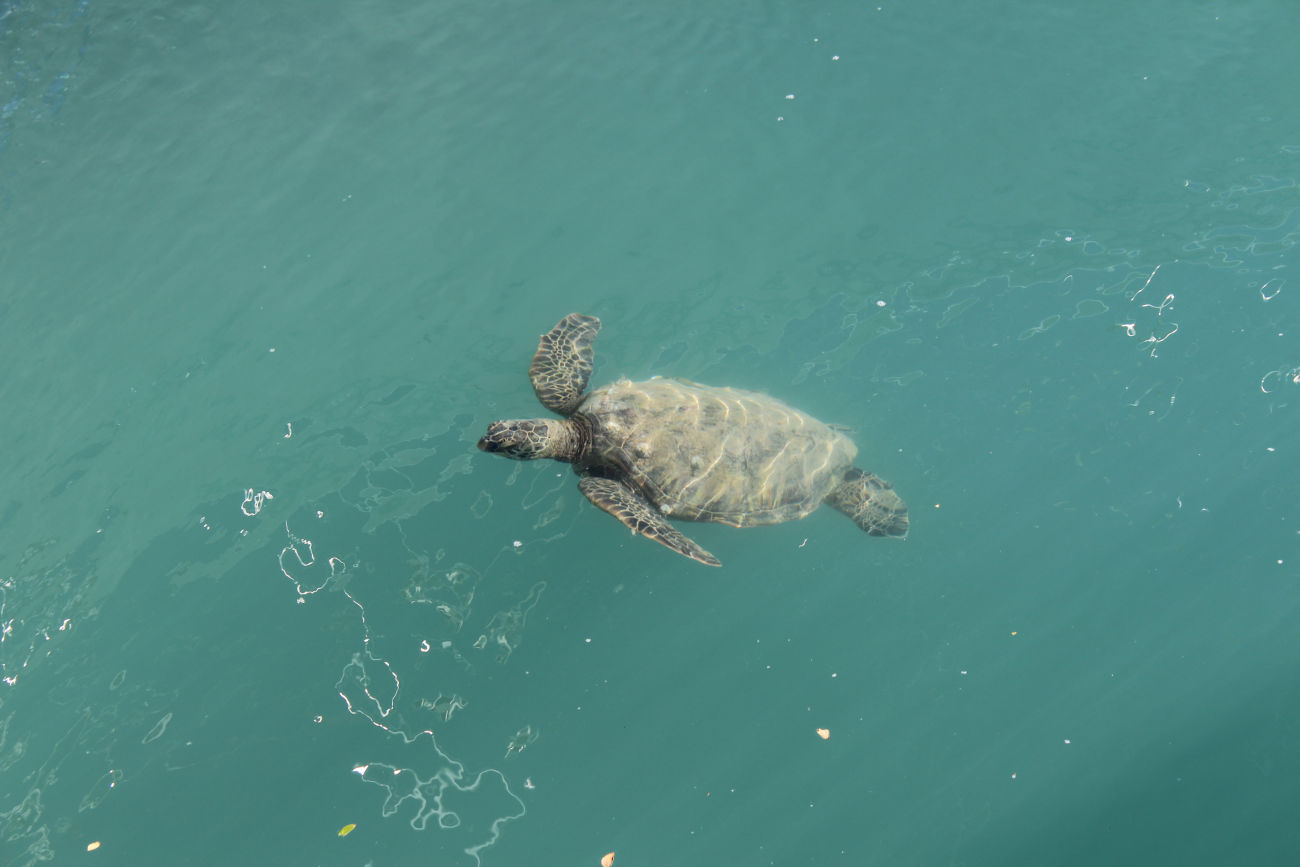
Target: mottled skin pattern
(871, 503)
(632, 509)
(563, 361)
(701, 453)
(648, 451)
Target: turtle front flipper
(640, 517)
(562, 364)
(871, 502)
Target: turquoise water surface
(268, 270)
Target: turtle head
(527, 439)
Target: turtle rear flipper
(871, 503)
(640, 517)
(563, 362)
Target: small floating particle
(824, 734)
(608, 860)
(93, 846)
(347, 829)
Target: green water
(267, 271)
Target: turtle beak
(501, 438)
(490, 443)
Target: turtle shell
(702, 453)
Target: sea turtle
(648, 451)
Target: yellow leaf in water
(347, 829)
(607, 861)
(93, 846)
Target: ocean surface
(267, 270)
